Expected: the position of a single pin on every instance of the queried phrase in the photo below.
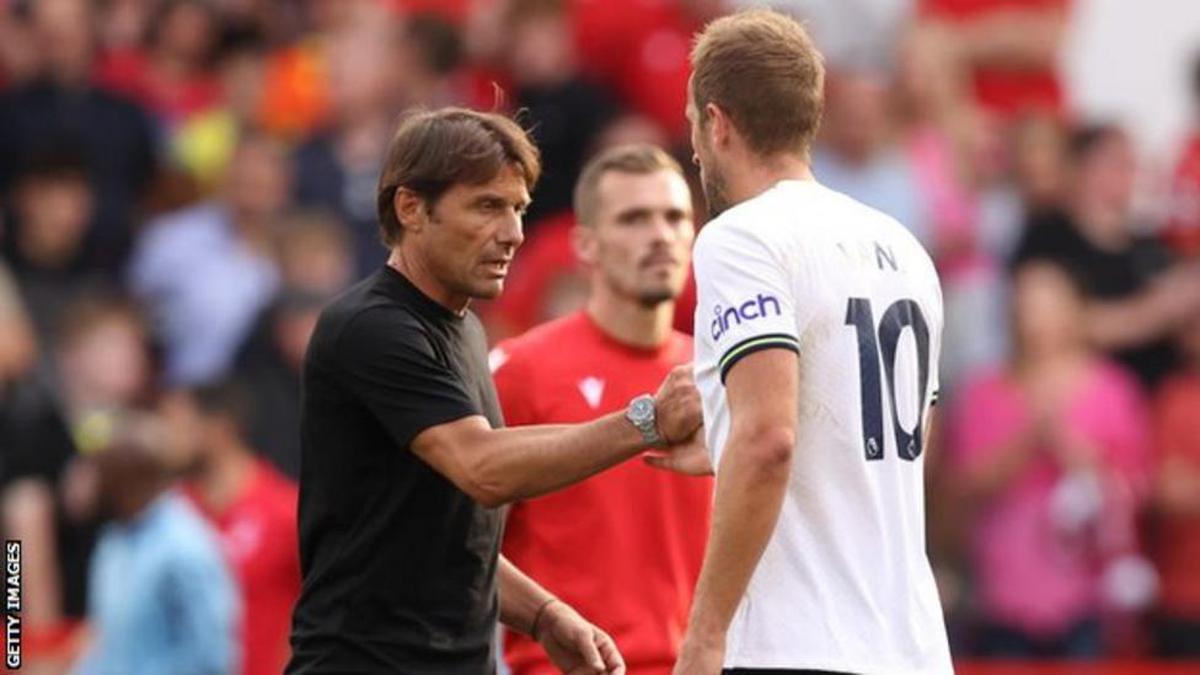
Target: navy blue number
(902, 314)
(859, 315)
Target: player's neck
(222, 479)
(630, 322)
(419, 275)
(756, 177)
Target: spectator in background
(253, 509)
(336, 169)
(1182, 233)
(316, 262)
(1139, 298)
(62, 107)
(1050, 455)
(563, 109)
(631, 561)
(160, 597)
(1039, 158)
(1010, 47)
(48, 479)
(639, 50)
(973, 215)
(206, 272)
(18, 344)
(171, 75)
(204, 143)
(18, 55)
(856, 153)
(862, 33)
(53, 208)
(1177, 628)
(428, 63)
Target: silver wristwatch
(640, 413)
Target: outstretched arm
(498, 466)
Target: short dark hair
(228, 398)
(79, 318)
(436, 40)
(54, 161)
(638, 158)
(434, 150)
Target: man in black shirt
(1138, 297)
(404, 464)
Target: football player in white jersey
(818, 330)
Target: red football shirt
(624, 547)
(1178, 432)
(259, 537)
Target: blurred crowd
(185, 183)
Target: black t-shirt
(399, 565)
(1105, 275)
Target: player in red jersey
(623, 547)
(253, 508)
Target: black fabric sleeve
(388, 362)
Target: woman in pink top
(1051, 453)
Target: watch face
(643, 409)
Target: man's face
(54, 214)
(472, 233)
(1108, 173)
(712, 176)
(641, 241)
(258, 182)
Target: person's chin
(652, 297)
(490, 289)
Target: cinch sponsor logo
(747, 311)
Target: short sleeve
(744, 297)
(388, 362)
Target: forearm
(1014, 40)
(523, 462)
(749, 496)
(1121, 324)
(520, 597)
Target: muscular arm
(498, 466)
(762, 390)
(1147, 316)
(520, 597)
(572, 644)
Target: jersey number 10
(902, 314)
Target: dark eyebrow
(634, 212)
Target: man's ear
(583, 237)
(719, 128)
(410, 209)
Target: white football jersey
(844, 583)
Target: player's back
(844, 584)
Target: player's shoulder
(540, 344)
(776, 219)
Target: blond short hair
(761, 68)
(637, 158)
